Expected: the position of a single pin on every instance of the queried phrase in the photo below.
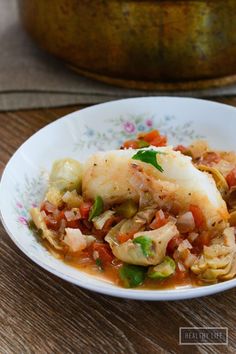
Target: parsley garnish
(148, 156)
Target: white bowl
(103, 127)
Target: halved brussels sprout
(163, 270)
(220, 181)
(66, 175)
(132, 275)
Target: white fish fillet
(115, 176)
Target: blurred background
(118, 48)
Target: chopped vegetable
(153, 134)
(154, 138)
(131, 144)
(203, 239)
(48, 207)
(97, 208)
(210, 157)
(198, 216)
(185, 222)
(231, 178)
(100, 221)
(72, 199)
(122, 238)
(54, 196)
(146, 245)
(99, 263)
(159, 221)
(85, 209)
(132, 275)
(174, 243)
(66, 175)
(148, 156)
(75, 240)
(142, 144)
(163, 270)
(183, 149)
(127, 209)
(104, 252)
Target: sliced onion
(95, 255)
(185, 222)
(192, 236)
(172, 219)
(190, 259)
(43, 214)
(99, 221)
(49, 207)
(62, 227)
(184, 245)
(73, 214)
(181, 267)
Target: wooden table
(40, 313)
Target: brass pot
(139, 43)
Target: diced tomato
(203, 239)
(111, 222)
(181, 148)
(122, 238)
(161, 140)
(159, 221)
(174, 243)
(210, 157)
(48, 207)
(73, 224)
(198, 216)
(153, 134)
(85, 209)
(231, 178)
(104, 252)
(180, 274)
(131, 144)
(154, 138)
(51, 222)
(61, 215)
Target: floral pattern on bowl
(127, 127)
(28, 196)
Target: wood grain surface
(40, 313)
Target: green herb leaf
(148, 156)
(146, 245)
(132, 275)
(99, 264)
(97, 208)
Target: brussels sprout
(66, 175)
(127, 209)
(162, 270)
(132, 275)
(146, 244)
